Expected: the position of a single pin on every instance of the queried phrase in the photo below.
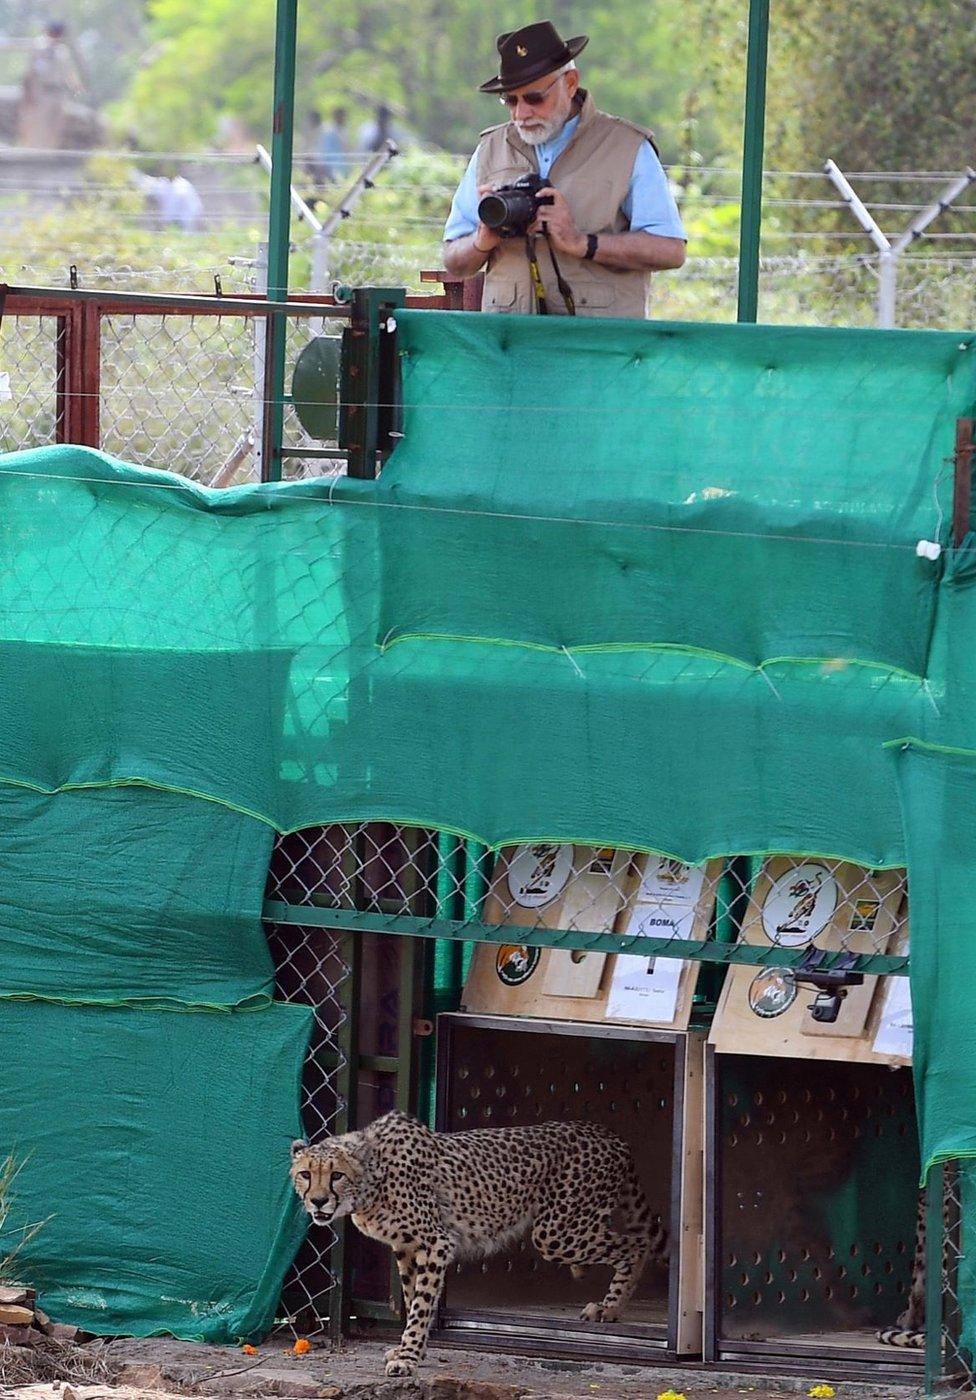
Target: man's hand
(556, 220)
(465, 257)
(485, 238)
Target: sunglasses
(531, 99)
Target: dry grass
(9, 1169)
(46, 1359)
(49, 1360)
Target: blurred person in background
(173, 200)
(332, 147)
(54, 76)
(374, 134)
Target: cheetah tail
(901, 1337)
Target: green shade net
(610, 568)
(750, 492)
(938, 788)
(131, 895)
(625, 584)
(155, 1150)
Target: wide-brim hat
(530, 53)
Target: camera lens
(493, 211)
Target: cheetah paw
(596, 1312)
(391, 1354)
(400, 1366)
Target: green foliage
(98, 232)
(664, 68)
(713, 231)
(873, 85)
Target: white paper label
(896, 1030)
(666, 901)
(644, 989)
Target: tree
(874, 85)
(429, 56)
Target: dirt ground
(154, 1369)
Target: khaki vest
(593, 173)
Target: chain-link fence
(311, 969)
(781, 946)
(763, 912)
(176, 391)
(942, 1281)
(29, 346)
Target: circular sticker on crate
(538, 873)
(515, 963)
(772, 992)
(799, 905)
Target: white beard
(540, 132)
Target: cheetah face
(325, 1178)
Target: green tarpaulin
(155, 1151)
(624, 584)
(131, 895)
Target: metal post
(752, 161)
(279, 223)
(260, 367)
(934, 1232)
(889, 253)
(322, 231)
(887, 288)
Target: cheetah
(909, 1330)
(437, 1198)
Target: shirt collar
(562, 137)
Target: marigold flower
(303, 1346)
(822, 1392)
(248, 1350)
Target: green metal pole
(279, 229)
(752, 160)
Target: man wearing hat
(612, 220)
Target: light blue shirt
(648, 205)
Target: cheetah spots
(438, 1197)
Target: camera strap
(561, 283)
(537, 284)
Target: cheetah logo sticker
(772, 992)
(538, 873)
(799, 905)
(515, 963)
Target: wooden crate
(596, 890)
(810, 1205)
(762, 1011)
(645, 1085)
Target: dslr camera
(510, 210)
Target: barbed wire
(247, 158)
